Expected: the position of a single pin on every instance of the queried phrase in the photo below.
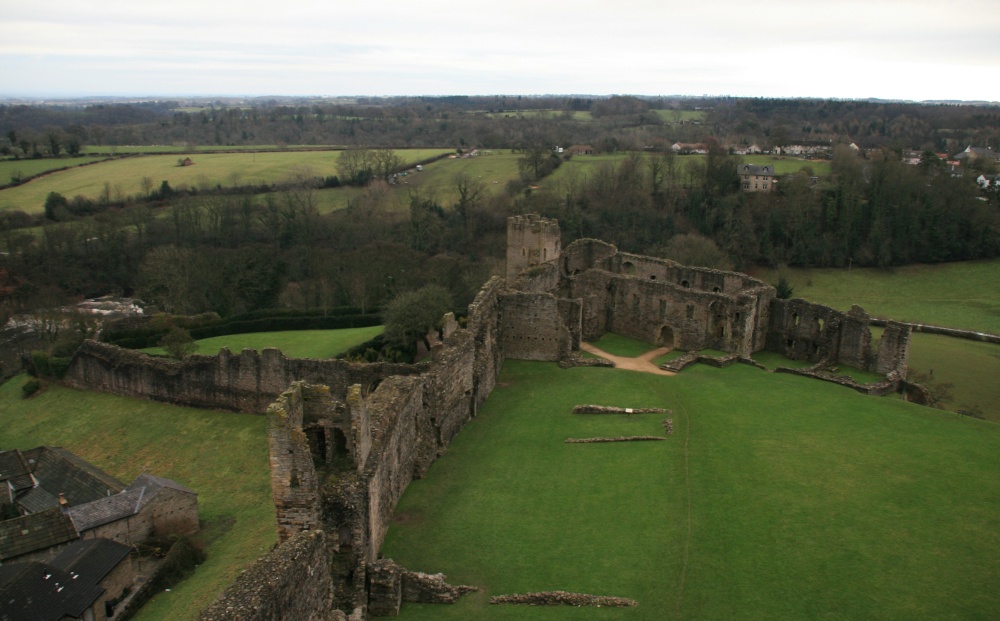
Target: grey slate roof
(37, 592)
(108, 509)
(37, 499)
(756, 169)
(92, 559)
(14, 467)
(133, 499)
(38, 531)
(62, 472)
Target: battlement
(531, 241)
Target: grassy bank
(957, 295)
(777, 497)
(294, 343)
(222, 456)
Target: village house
(84, 581)
(54, 498)
(756, 178)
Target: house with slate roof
(84, 581)
(756, 178)
(60, 498)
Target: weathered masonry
(345, 439)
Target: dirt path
(643, 363)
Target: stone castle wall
(244, 382)
(802, 330)
(292, 583)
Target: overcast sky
(913, 49)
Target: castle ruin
(345, 439)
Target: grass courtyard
(777, 497)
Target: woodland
(241, 248)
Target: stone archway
(665, 338)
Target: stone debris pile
(563, 598)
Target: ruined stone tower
(531, 240)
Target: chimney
(63, 503)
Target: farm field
(208, 171)
(293, 343)
(220, 455)
(173, 148)
(956, 295)
(9, 169)
(777, 497)
(785, 165)
(971, 367)
(676, 116)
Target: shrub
(30, 387)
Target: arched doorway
(666, 337)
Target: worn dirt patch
(643, 363)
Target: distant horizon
(142, 98)
(896, 50)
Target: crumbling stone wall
(291, 583)
(539, 326)
(802, 330)
(244, 382)
(294, 483)
(531, 241)
(661, 302)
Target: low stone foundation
(618, 439)
(576, 361)
(392, 584)
(562, 598)
(606, 409)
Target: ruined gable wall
(291, 583)
(484, 326)
(174, 512)
(586, 254)
(245, 382)
(448, 398)
(801, 330)
(534, 328)
(396, 407)
(294, 483)
(894, 349)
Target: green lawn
(220, 455)
(208, 170)
(957, 295)
(293, 343)
(618, 345)
(777, 497)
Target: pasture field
(677, 116)
(208, 171)
(785, 165)
(209, 148)
(9, 169)
(971, 367)
(220, 455)
(293, 343)
(956, 295)
(777, 497)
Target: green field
(777, 497)
(294, 344)
(220, 455)
(180, 148)
(208, 171)
(785, 165)
(958, 295)
(677, 116)
(970, 366)
(31, 167)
